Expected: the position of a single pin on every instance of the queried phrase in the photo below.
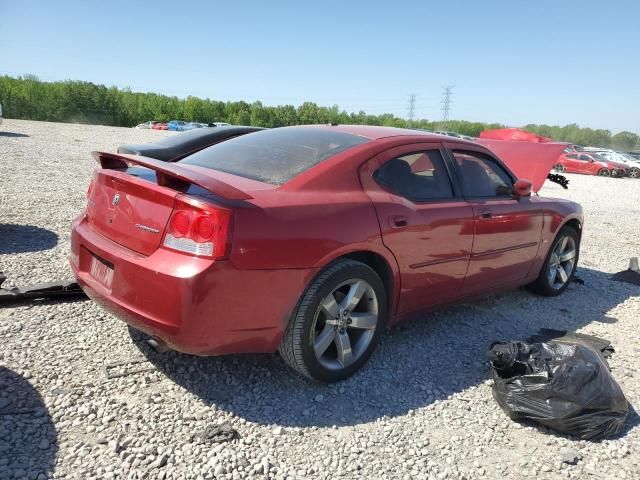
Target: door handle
(399, 221)
(486, 214)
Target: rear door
(506, 230)
(425, 222)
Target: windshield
(275, 156)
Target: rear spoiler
(527, 160)
(173, 175)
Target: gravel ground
(421, 407)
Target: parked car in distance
(632, 164)
(0, 114)
(175, 147)
(176, 125)
(589, 164)
(146, 125)
(311, 240)
(160, 126)
(192, 125)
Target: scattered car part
(559, 179)
(630, 275)
(217, 433)
(42, 291)
(565, 386)
(175, 147)
(126, 368)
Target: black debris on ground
(217, 433)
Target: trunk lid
(133, 211)
(130, 211)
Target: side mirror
(522, 188)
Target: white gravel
(421, 408)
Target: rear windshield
(274, 156)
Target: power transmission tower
(447, 91)
(412, 106)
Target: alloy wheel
(604, 173)
(561, 262)
(345, 324)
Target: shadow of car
(417, 363)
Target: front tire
(560, 264)
(559, 168)
(634, 172)
(337, 323)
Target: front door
(424, 221)
(507, 230)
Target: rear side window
(419, 176)
(275, 156)
(482, 176)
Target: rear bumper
(194, 305)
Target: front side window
(572, 156)
(419, 176)
(482, 176)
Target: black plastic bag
(564, 386)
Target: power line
(412, 106)
(447, 91)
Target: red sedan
(160, 126)
(589, 164)
(311, 240)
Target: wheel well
(576, 225)
(381, 267)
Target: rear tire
(604, 173)
(337, 323)
(634, 172)
(560, 265)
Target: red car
(311, 240)
(160, 126)
(589, 164)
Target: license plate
(102, 272)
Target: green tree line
(29, 98)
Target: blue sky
(513, 62)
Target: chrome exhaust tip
(157, 345)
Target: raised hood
(527, 160)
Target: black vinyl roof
(175, 147)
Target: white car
(146, 125)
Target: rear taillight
(198, 228)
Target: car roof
(378, 132)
